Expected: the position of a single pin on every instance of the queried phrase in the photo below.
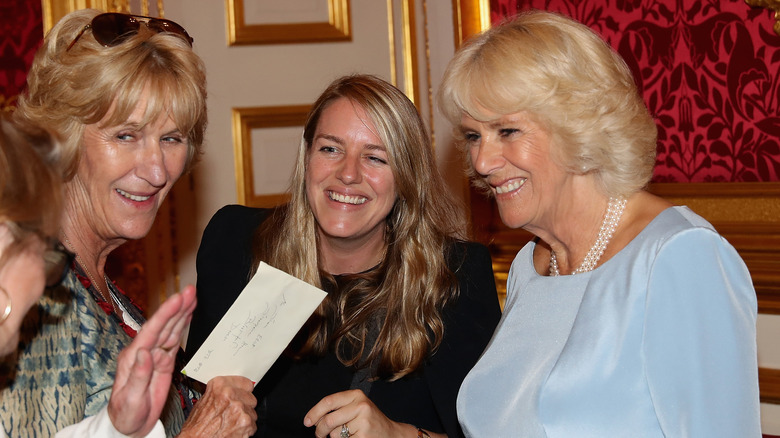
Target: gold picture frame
(337, 28)
(244, 121)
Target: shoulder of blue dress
(672, 222)
(691, 217)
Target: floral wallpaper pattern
(709, 71)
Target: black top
(425, 398)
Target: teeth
(506, 188)
(132, 197)
(356, 200)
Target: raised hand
(145, 367)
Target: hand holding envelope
(257, 328)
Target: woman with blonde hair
(126, 97)
(410, 305)
(625, 316)
(31, 258)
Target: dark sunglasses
(57, 260)
(111, 28)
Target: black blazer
(290, 388)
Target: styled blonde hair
(413, 282)
(569, 80)
(69, 89)
(30, 184)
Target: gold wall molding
(404, 50)
(244, 121)
(337, 28)
(470, 17)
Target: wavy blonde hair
(568, 79)
(69, 89)
(420, 231)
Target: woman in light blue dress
(626, 316)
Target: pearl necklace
(611, 219)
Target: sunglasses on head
(57, 259)
(111, 28)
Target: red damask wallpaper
(709, 71)
(21, 32)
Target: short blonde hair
(69, 89)
(568, 79)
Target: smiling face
(124, 174)
(349, 182)
(513, 154)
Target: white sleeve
(100, 426)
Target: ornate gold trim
(244, 121)
(391, 42)
(410, 51)
(470, 17)
(407, 49)
(336, 29)
(773, 5)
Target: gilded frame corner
(244, 121)
(337, 28)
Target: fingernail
(307, 422)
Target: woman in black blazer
(410, 305)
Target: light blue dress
(659, 341)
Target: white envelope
(257, 328)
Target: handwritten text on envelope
(257, 327)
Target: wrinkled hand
(145, 367)
(227, 409)
(358, 412)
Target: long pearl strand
(611, 220)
